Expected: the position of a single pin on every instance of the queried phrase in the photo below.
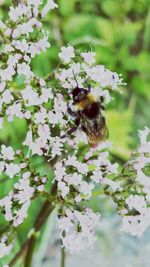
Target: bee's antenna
(69, 82)
(75, 78)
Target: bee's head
(79, 94)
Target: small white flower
(5, 249)
(89, 57)
(13, 59)
(12, 169)
(44, 132)
(59, 171)
(63, 188)
(7, 97)
(49, 6)
(14, 110)
(80, 137)
(21, 214)
(115, 185)
(42, 82)
(24, 190)
(31, 97)
(56, 146)
(136, 225)
(143, 135)
(7, 152)
(6, 202)
(136, 202)
(46, 94)
(24, 68)
(78, 199)
(40, 188)
(66, 54)
(8, 32)
(6, 74)
(8, 48)
(40, 116)
(21, 45)
(28, 141)
(36, 148)
(86, 189)
(42, 44)
(2, 86)
(141, 162)
(97, 176)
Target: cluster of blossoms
(77, 179)
(78, 229)
(24, 38)
(43, 103)
(137, 212)
(4, 247)
(15, 205)
(79, 69)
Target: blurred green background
(119, 32)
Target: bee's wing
(94, 128)
(93, 125)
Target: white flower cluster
(78, 229)
(78, 73)
(18, 52)
(77, 179)
(4, 247)
(45, 121)
(16, 204)
(137, 223)
(7, 164)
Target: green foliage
(120, 135)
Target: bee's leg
(89, 88)
(102, 103)
(71, 112)
(73, 129)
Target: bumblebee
(89, 115)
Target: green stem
(40, 220)
(63, 257)
(30, 251)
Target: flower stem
(30, 251)
(63, 257)
(40, 220)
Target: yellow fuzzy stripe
(84, 103)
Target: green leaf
(116, 8)
(119, 125)
(66, 7)
(141, 86)
(146, 35)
